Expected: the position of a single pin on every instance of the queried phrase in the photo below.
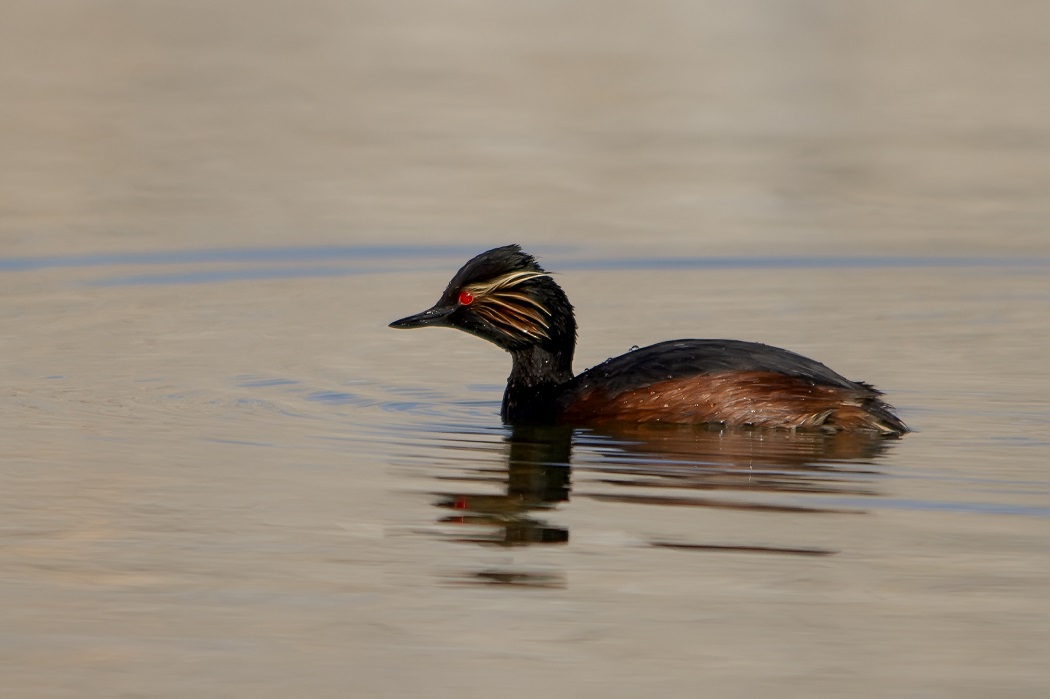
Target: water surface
(223, 475)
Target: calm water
(223, 475)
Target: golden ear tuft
(515, 312)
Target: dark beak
(432, 316)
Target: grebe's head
(505, 297)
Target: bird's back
(723, 381)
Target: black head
(505, 297)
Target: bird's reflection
(537, 478)
(647, 457)
(658, 465)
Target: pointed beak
(432, 316)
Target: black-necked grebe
(505, 297)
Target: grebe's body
(505, 297)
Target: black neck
(535, 380)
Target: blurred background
(706, 126)
(223, 476)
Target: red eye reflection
(465, 298)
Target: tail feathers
(865, 412)
(881, 417)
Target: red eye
(465, 298)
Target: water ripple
(254, 264)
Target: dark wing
(724, 381)
(679, 359)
